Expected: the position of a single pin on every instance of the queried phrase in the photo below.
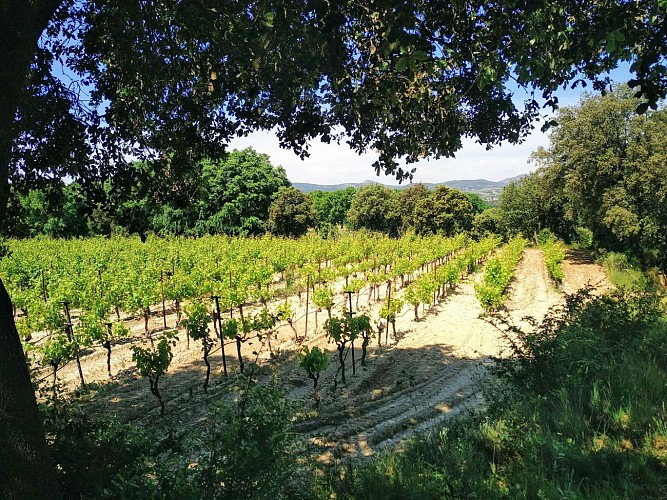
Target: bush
(554, 253)
(623, 271)
(250, 450)
(583, 238)
(102, 457)
(561, 421)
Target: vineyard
(388, 331)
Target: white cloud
(337, 163)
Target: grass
(579, 412)
(623, 271)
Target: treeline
(242, 194)
(231, 195)
(602, 182)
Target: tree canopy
(445, 211)
(605, 170)
(236, 193)
(182, 78)
(332, 206)
(230, 195)
(407, 200)
(291, 213)
(375, 207)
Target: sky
(338, 164)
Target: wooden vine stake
(164, 311)
(305, 334)
(386, 333)
(349, 295)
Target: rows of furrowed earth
(431, 278)
(93, 281)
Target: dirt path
(580, 271)
(430, 372)
(533, 292)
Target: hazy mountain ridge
(474, 185)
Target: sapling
(355, 286)
(339, 330)
(196, 324)
(56, 350)
(263, 323)
(361, 327)
(230, 330)
(314, 361)
(154, 362)
(92, 329)
(390, 308)
(413, 297)
(324, 298)
(285, 313)
(115, 331)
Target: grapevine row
(498, 273)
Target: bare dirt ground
(428, 373)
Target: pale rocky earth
(430, 372)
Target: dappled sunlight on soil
(430, 370)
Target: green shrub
(103, 457)
(554, 253)
(249, 450)
(583, 238)
(623, 271)
(577, 412)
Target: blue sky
(336, 164)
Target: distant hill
(463, 185)
(488, 190)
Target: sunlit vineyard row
(104, 278)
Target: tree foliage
(291, 213)
(444, 211)
(231, 195)
(238, 191)
(605, 171)
(375, 207)
(332, 206)
(182, 79)
(408, 199)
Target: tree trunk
(107, 346)
(364, 344)
(207, 348)
(21, 24)
(238, 351)
(156, 392)
(26, 469)
(341, 349)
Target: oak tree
(175, 80)
(291, 213)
